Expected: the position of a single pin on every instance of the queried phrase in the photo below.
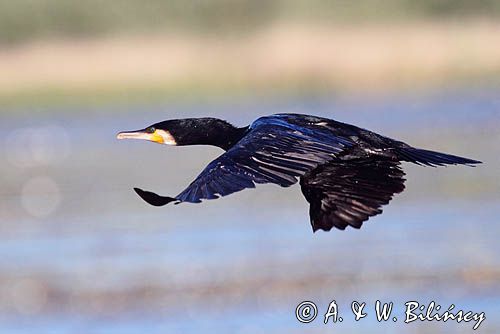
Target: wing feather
(347, 193)
(272, 152)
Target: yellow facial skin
(158, 136)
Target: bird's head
(158, 133)
(188, 131)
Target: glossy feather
(346, 173)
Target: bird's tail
(431, 158)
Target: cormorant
(346, 173)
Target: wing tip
(154, 199)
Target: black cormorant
(346, 173)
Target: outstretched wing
(273, 151)
(347, 193)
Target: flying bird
(346, 173)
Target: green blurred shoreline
(95, 52)
(285, 59)
(28, 20)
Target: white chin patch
(168, 139)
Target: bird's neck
(224, 138)
(215, 133)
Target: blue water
(102, 261)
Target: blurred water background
(81, 253)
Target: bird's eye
(150, 129)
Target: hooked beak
(141, 134)
(159, 136)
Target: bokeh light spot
(41, 196)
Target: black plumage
(346, 173)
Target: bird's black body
(346, 173)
